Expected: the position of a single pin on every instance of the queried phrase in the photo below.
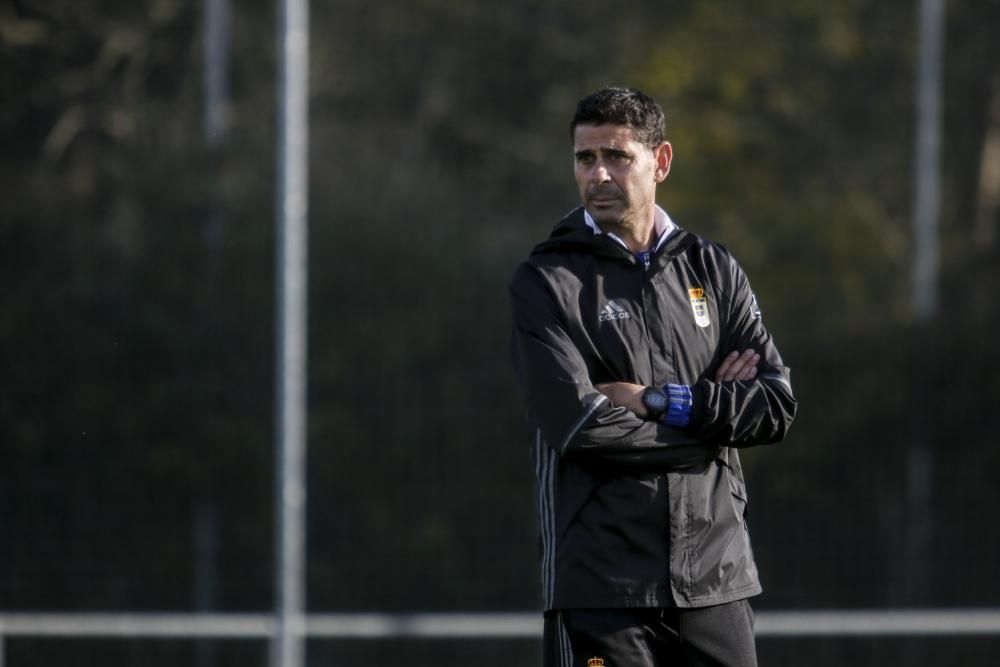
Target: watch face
(655, 399)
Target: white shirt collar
(662, 225)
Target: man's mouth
(603, 199)
(604, 196)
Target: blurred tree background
(137, 273)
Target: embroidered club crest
(595, 662)
(699, 306)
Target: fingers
(722, 374)
(737, 366)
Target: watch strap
(678, 412)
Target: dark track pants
(719, 636)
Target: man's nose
(601, 174)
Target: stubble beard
(617, 219)
(625, 223)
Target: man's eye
(620, 158)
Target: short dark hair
(622, 106)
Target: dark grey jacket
(633, 513)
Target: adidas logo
(611, 312)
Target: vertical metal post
(927, 156)
(215, 44)
(215, 94)
(926, 205)
(288, 649)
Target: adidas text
(611, 312)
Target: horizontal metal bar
(131, 624)
(475, 625)
(883, 623)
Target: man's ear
(663, 155)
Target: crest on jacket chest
(699, 306)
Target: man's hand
(738, 366)
(625, 395)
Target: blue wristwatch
(656, 402)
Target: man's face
(617, 175)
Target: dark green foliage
(136, 328)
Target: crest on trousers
(699, 306)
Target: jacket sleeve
(744, 413)
(573, 417)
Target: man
(646, 367)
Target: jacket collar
(573, 232)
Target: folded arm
(574, 416)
